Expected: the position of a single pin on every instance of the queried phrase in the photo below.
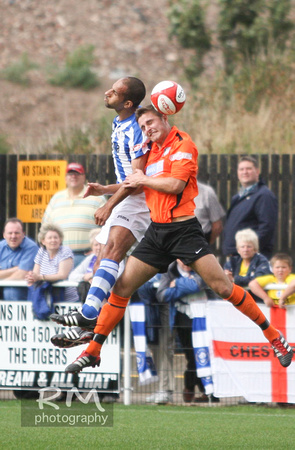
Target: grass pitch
(159, 427)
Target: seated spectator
(159, 339)
(53, 262)
(248, 264)
(178, 282)
(281, 265)
(287, 297)
(17, 253)
(83, 273)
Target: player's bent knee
(224, 291)
(123, 288)
(114, 253)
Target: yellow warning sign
(37, 181)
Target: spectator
(17, 253)
(73, 213)
(281, 264)
(179, 281)
(248, 264)
(209, 212)
(157, 323)
(53, 262)
(84, 271)
(255, 207)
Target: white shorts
(132, 213)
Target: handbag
(41, 296)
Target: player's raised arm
(168, 185)
(102, 214)
(99, 189)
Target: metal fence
(98, 168)
(219, 171)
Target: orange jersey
(177, 159)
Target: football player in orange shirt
(169, 182)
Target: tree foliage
(249, 28)
(187, 23)
(246, 29)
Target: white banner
(243, 361)
(30, 360)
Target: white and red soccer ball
(168, 97)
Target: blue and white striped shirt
(127, 143)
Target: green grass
(160, 427)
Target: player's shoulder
(180, 134)
(127, 123)
(182, 139)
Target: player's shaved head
(135, 90)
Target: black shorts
(163, 243)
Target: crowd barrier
(242, 361)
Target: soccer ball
(168, 97)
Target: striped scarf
(145, 365)
(200, 340)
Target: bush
(77, 142)
(17, 72)
(77, 72)
(264, 81)
(5, 147)
(249, 28)
(93, 139)
(187, 23)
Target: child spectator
(281, 264)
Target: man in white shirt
(209, 212)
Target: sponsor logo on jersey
(155, 169)
(180, 155)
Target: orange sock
(94, 348)
(245, 303)
(110, 315)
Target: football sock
(110, 315)
(103, 281)
(245, 303)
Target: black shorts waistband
(175, 224)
